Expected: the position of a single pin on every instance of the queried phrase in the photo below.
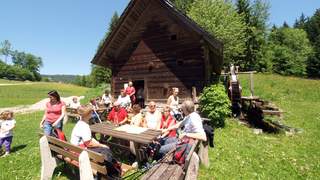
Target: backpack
(182, 150)
(57, 133)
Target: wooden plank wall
(150, 54)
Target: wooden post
(251, 84)
(193, 168)
(203, 154)
(85, 166)
(48, 162)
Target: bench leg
(85, 166)
(193, 168)
(48, 163)
(203, 154)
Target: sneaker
(5, 154)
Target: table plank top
(145, 137)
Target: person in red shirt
(118, 115)
(54, 113)
(166, 122)
(131, 91)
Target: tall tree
(221, 19)
(100, 74)
(300, 23)
(255, 17)
(6, 49)
(312, 27)
(112, 25)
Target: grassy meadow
(238, 153)
(26, 94)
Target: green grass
(240, 154)
(5, 81)
(31, 93)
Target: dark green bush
(215, 104)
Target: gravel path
(39, 106)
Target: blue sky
(66, 33)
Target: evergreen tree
(300, 23)
(112, 25)
(285, 24)
(312, 28)
(255, 17)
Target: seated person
(137, 119)
(74, 104)
(166, 122)
(81, 133)
(118, 115)
(153, 116)
(124, 99)
(81, 136)
(192, 127)
(106, 99)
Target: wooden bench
(53, 150)
(165, 170)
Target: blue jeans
(47, 127)
(169, 144)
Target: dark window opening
(173, 37)
(135, 45)
(179, 62)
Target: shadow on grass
(18, 148)
(67, 171)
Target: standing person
(6, 131)
(192, 127)
(173, 103)
(131, 91)
(153, 116)
(54, 113)
(124, 99)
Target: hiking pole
(97, 115)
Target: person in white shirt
(75, 103)
(192, 127)
(153, 116)
(124, 99)
(6, 130)
(81, 133)
(106, 98)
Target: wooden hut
(158, 47)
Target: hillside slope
(240, 154)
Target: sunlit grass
(31, 93)
(240, 154)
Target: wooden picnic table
(139, 139)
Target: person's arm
(169, 101)
(133, 91)
(63, 112)
(94, 143)
(176, 126)
(201, 136)
(43, 118)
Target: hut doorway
(140, 92)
